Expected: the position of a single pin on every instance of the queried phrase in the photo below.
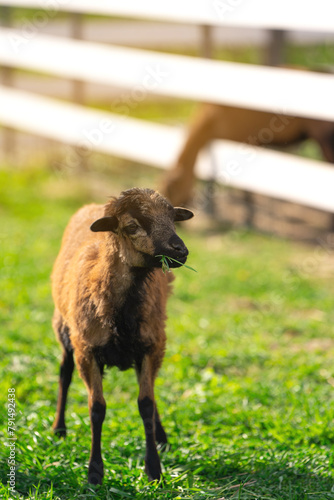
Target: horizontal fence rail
(296, 93)
(305, 15)
(255, 169)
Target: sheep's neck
(116, 278)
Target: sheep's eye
(131, 229)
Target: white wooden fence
(142, 72)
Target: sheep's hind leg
(66, 370)
(146, 405)
(91, 374)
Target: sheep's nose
(177, 244)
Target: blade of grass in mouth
(166, 267)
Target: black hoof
(60, 431)
(153, 471)
(95, 473)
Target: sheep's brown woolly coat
(91, 280)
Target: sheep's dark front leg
(66, 370)
(92, 377)
(147, 410)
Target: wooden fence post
(207, 52)
(77, 33)
(78, 86)
(275, 48)
(7, 79)
(207, 41)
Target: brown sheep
(110, 298)
(249, 126)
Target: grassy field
(246, 390)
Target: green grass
(246, 389)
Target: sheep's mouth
(177, 262)
(167, 261)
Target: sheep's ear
(105, 224)
(181, 214)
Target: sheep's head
(144, 224)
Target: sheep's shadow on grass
(64, 483)
(226, 473)
(278, 475)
